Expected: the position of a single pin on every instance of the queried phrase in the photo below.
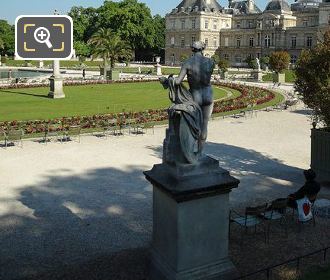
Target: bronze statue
(199, 69)
(191, 110)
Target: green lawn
(32, 104)
(290, 77)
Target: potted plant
(313, 83)
(278, 62)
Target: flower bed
(249, 96)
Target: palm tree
(109, 46)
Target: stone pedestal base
(56, 88)
(257, 76)
(158, 70)
(190, 221)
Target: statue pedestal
(158, 69)
(257, 75)
(191, 221)
(56, 88)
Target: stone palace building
(243, 30)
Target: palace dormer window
(238, 24)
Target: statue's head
(198, 46)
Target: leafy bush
(279, 61)
(223, 64)
(313, 77)
(183, 57)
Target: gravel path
(65, 204)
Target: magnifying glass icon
(42, 35)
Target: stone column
(56, 82)
(191, 221)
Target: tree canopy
(279, 61)
(7, 36)
(313, 79)
(131, 20)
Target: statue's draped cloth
(191, 119)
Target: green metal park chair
(14, 136)
(252, 218)
(277, 212)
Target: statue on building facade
(191, 109)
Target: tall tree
(7, 34)
(313, 79)
(108, 45)
(85, 24)
(131, 20)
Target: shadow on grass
(24, 93)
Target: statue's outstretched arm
(181, 76)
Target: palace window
(226, 56)
(226, 41)
(251, 41)
(267, 41)
(215, 42)
(206, 42)
(172, 41)
(293, 59)
(250, 24)
(183, 43)
(193, 39)
(173, 23)
(238, 59)
(215, 24)
(183, 24)
(259, 24)
(238, 24)
(309, 42)
(273, 39)
(193, 23)
(206, 24)
(305, 23)
(293, 42)
(238, 42)
(259, 39)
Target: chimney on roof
(250, 4)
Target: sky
(10, 9)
